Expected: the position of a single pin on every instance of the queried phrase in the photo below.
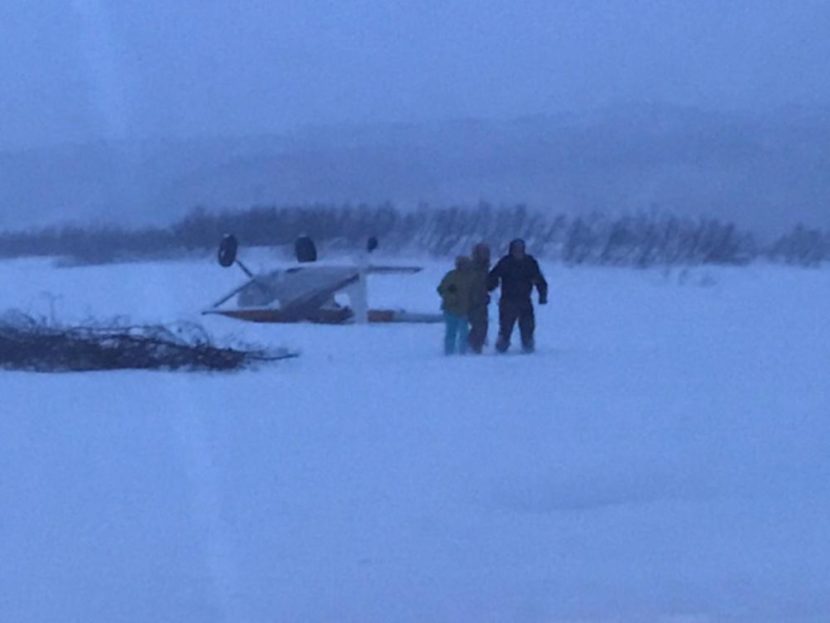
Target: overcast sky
(79, 69)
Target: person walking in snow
(518, 273)
(480, 297)
(456, 290)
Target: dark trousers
(478, 328)
(510, 312)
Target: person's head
(462, 262)
(481, 254)
(517, 248)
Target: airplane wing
(393, 270)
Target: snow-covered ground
(665, 456)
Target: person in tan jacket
(456, 296)
(480, 299)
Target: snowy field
(665, 457)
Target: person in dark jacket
(480, 299)
(518, 273)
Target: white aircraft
(306, 291)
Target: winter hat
(481, 253)
(515, 243)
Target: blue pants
(457, 333)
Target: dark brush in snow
(33, 345)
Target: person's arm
(495, 275)
(447, 284)
(541, 284)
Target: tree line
(640, 240)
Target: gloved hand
(543, 300)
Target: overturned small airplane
(306, 292)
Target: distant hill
(767, 172)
